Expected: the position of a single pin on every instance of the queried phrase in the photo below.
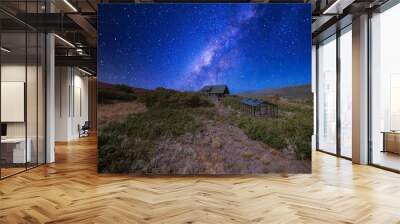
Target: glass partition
(346, 92)
(22, 78)
(32, 98)
(327, 95)
(14, 153)
(385, 89)
(41, 96)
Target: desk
(19, 155)
(391, 141)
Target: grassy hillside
(110, 93)
(291, 92)
(127, 145)
(167, 131)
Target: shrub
(162, 97)
(115, 93)
(123, 88)
(269, 131)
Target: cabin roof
(216, 89)
(254, 102)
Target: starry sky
(249, 47)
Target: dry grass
(247, 154)
(265, 162)
(118, 111)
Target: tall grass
(292, 130)
(232, 102)
(127, 146)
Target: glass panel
(32, 88)
(31, 98)
(41, 99)
(13, 88)
(346, 94)
(23, 91)
(314, 76)
(385, 92)
(327, 96)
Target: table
(391, 141)
(17, 152)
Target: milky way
(214, 60)
(186, 46)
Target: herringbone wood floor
(70, 191)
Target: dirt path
(220, 148)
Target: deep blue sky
(185, 46)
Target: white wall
(62, 82)
(14, 72)
(80, 109)
(71, 102)
(17, 72)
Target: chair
(84, 130)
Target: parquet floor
(10, 171)
(70, 191)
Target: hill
(290, 92)
(105, 85)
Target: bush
(164, 98)
(269, 131)
(123, 88)
(115, 93)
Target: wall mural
(188, 89)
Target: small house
(217, 91)
(259, 107)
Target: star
(186, 46)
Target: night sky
(186, 46)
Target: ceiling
(75, 23)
